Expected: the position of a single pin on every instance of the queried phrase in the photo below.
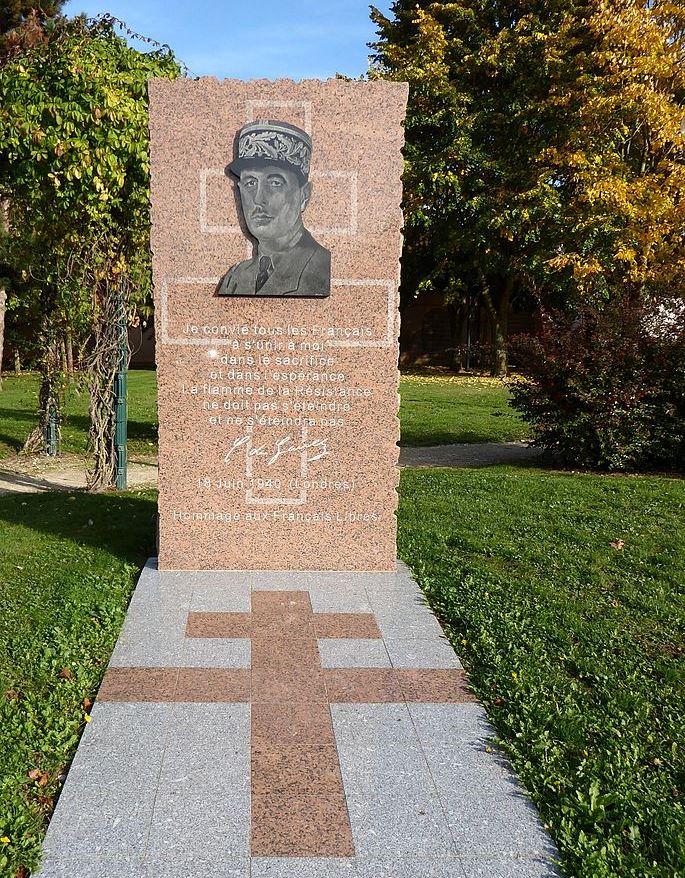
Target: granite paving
(289, 725)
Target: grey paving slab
(215, 652)
(372, 725)
(487, 808)
(487, 825)
(215, 595)
(339, 600)
(394, 600)
(410, 867)
(398, 584)
(391, 798)
(344, 653)
(106, 841)
(238, 867)
(163, 790)
(406, 817)
(325, 579)
(119, 730)
(101, 821)
(304, 867)
(154, 628)
(426, 653)
(447, 723)
(202, 805)
(413, 623)
(510, 867)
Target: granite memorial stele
(276, 237)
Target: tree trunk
(49, 400)
(502, 352)
(3, 301)
(102, 369)
(49, 417)
(17, 362)
(69, 345)
(499, 318)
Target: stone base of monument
(289, 725)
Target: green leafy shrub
(606, 388)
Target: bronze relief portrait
(272, 167)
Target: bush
(605, 390)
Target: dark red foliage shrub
(606, 389)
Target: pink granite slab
(241, 509)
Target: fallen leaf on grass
(22, 872)
(86, 704)
(66, 674)
(41, 777)
(617, 544)
(12, 695)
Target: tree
(478, 74)
(21, 25)
(543, 155)
(606, 377)
(74, 160)
(24, 22)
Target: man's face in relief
(273, 199)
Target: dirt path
(466, 455)
(26, 475)
(36, 474)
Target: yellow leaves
(5, 839)
(625, 254)
(87, 717)
(581, 268)
(446, 378)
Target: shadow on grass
(11, 442)
(137, 430)
(122, 525)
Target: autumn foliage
(605, 390)
(545, 161)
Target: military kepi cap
(273, 143)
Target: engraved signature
(280, 448)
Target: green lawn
(18, 401)
(68, 563)
(576, 648)
(435, 410)
(439, 410)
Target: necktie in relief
(265, 269)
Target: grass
(442, 409)
(435, 410)
(68, 563)
(18, 402)
(575, 647)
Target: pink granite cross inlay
(298, 800)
